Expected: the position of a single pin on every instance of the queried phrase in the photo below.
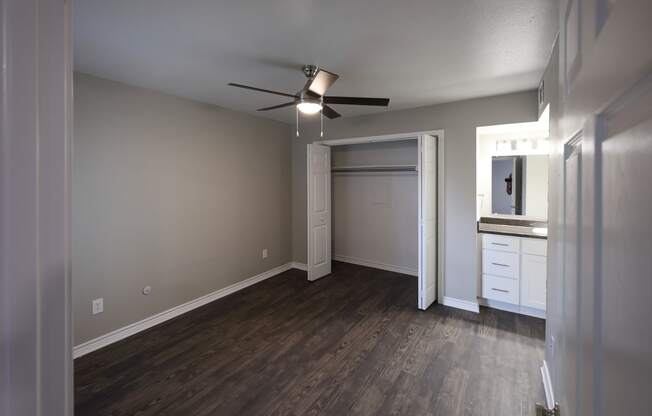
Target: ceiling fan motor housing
(310, 70)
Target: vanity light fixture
(502, 146)
(535, 143)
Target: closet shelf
(375, 168)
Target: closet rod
(389, 168)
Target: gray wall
(459, 120)
(374, 217)
(173, 194)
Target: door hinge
(542, 410)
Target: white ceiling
(416, 52)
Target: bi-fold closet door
(319, 211)
(428, 248)
(425, 224)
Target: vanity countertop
(514, 225)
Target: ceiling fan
(311, 99)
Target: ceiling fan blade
(329, 112)
(322, 81)
(247, 87)
(278, 106)
(381, 102)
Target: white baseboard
(462, 304)
(523, 310)
(299, 266)
(376, 265)
(547, 386)
(136, 327)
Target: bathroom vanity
(514, 273)
(512, 211)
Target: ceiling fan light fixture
(307, 106)
(311, 99)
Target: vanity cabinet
(533, 281)
(514, 273)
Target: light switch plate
(264, 253)
(98, 306)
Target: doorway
(379, 174)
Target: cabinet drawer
(500, 263)
(500, 242)
(535, 246)
(500, 289)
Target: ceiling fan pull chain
(296, 110)
(321, 116)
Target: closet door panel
(319, 211)
(428, 223)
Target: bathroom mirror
(519, 185)
(512, 170)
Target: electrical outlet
(98, 306)
(264, 253)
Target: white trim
(136, 327)
(299, 266)
(509, 307)
(547, 386)
(420, 270)
(441, 217)
(372, 139)
(461, 304)
(376, 265)
(381, 138)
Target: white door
(599, 335)
(533, 281)
(571, 279)
(428, 221)
(35, 147)
(319, 211)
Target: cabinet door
(533, 281)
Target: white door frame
(441, 193)
(35, 149)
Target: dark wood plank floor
(351, 343)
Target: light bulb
(308, 107)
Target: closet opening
(375, 202)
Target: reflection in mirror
(519, 185)
(506, 195)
